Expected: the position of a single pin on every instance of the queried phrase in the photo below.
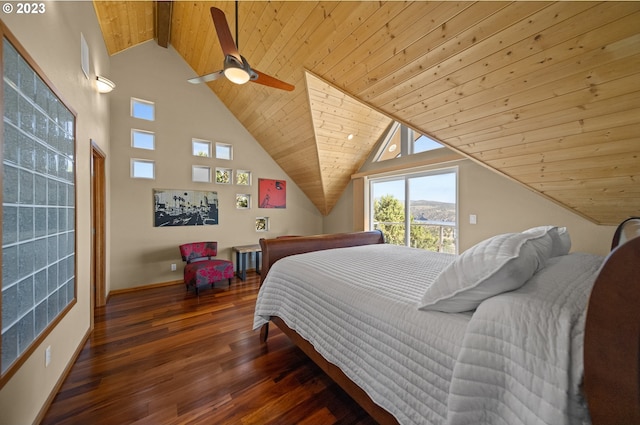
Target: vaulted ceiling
(545, 93)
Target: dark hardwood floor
(166, 356)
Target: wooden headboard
(275, 249)
(612, 333)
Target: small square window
(224, 151)
(143, 109)
(143, 139)
(143, 169)
(243, 177)
(223, 175)
(201, 148)
(201, 174)
(262, 224)
(243, 201)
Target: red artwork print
(272, 193)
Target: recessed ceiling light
(392, 147)
(350, 136)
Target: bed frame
(612, 330)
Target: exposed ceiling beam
(163, 22)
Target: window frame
(201, 168)
(223, 171)
(406, 177)
(138, 131)
(208, 143)
(146, 161)
(243, 172)
(65, 262)
(224, 145)
(241, 198)
(404, 139)
(135, 100)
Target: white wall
(340, 219)
(142, 254)
(52, 39)
(500, 204)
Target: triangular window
(401, 140)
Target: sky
(423, 143)
(435, 187)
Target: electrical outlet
(173, 267)
(47, 356)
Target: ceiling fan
(236, 68)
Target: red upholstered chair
(201, 267)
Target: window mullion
(407, 212)
(405, 140)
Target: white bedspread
(521, 361)
(358, 308)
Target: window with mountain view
(417, 210)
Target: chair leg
(229, 281)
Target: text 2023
(30, 8)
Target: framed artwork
(272, 193)
(243, 177)
(184, 208)
(243, 201)
(223, 175)
(262, 224)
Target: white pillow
(559, 235)
(498, 264)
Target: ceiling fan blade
(206, 78)
(224, 34)
(270, 81)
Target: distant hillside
(433, 211)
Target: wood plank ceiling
(546, 93)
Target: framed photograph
(272, 193)
(243, 177)
(262, 224)
(223, 175)
(184, 208)
(243, 201)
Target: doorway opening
(98, 227)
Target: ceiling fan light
(236, 75)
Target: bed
(541, 336)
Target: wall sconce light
(104, 85)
